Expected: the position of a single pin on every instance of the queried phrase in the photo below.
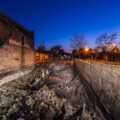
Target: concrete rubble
(52, 91)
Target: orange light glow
(86, 49)
(114, 44)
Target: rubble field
(50, 92)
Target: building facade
(42, 56)
(16, 45)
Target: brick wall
(10, 57)
(14, 55)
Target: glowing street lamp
(115, 46)
(86, 49)
(91, 55)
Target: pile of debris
(52, 91)
(13, 95)
(67, 85)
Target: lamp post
(106, 58)
(115, 46)
(106, 54)
(86, 49)
(91, 56)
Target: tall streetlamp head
(114, 44)
(86, 49)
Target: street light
(91, 56)
(115, 46)
(106, 56)
(86, 49)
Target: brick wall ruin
(17, 45)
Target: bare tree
(78, 42)
(113, 37)
(105, 40)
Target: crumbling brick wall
(18, 49)
(10, 57)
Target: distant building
(42, 56)
(16, 45)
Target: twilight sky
(55, 21)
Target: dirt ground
(52, 91)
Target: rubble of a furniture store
(52, 91)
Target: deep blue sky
(55, 21)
